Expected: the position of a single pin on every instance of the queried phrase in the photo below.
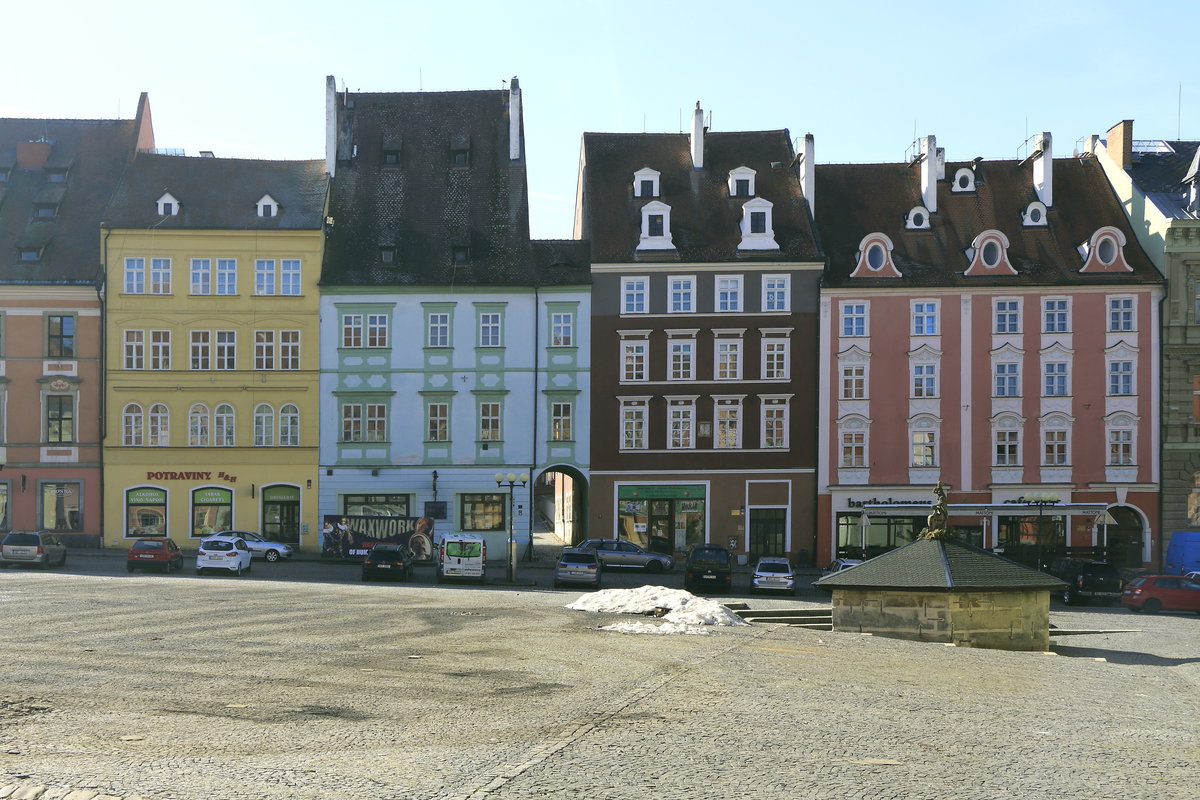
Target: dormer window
(4, 174)
(28, 254)
(56, 176)
(917, 219)
(1034, 215)
(461, 254)
(656, 227)
(1104, 252)
(988, 255)
(645, 183)
(391, 158)
(45, 210)
(460, 150)
(267, 207)
(964, 180)
(874, 258)
(387, 255)
(741, 182)
(758, 232)
(168, 206)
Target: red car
(158, 553)
(1154, 593)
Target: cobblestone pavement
(173, 687)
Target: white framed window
(200, 350)
(854, 382)
(1120, 377)
(924, 448)
(924, 318)
(135, 349)
(264, 276)
(1007, 451)
(776, 293)
(774, 422)
(135, 276)
(289, 350)
(682, 294)
(289, 425)
(1006, 376)
(289, 277)
(728, 423)
(854, 319)
(635, 295)
(854, 449)
(437, 422)
(1055, 451)
(646, 183)
(226, 276)
(201, 276)
(489, 329)
(1120, 315)
(160, 276)
(267, 207)
(741, 182)
(562, 329)
(352, 419)
(198, 426)
(166, 205)
(160, 349)
(633, 360)
(158, 426)
(226, 350)
(656, 227)
(264, 350)
(352, 330)
(757, 226)
(682, 353)
(633, 424)
(1006, 316)
(729, 293)
(264, 425)
(1056, 315)
(132, 426)
(776, 358)
(438, 329)
(924, 380)
(489, 422)
(729, 359)
(1120, 447)
(377, 330)
(376, 427)
(681, 424)
(1055, 381)
(223, 426)
(561, 421)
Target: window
(655, 225)
(924, 449)
(352, 330)
(758, 222)
(198, 426)
(58, 506)
(264, 425)
(729, 428)
(482, 512)
(562, 329)
(645, 182)
(1055, 373)
(438, 330)
(741, 182)
(135, 276)
(682, 294)
(264, 276)
(633, 359)
(776, 293)
(924, 319)
(264, 350)
(682, 431)
(352, 422)
(729, 359)
(160, 350)
(633, 291)
(1006, 380)
(1120, 377)
(226, 350)
(289, 426)
(460, 255)
(201, 350)
(437, 417)
(774, 423)
(560, 422)
(729, 293)
(131, 426)
(489, 422)
(135, 349)
(775, 359)
(459, 157)
(201, 276)
(158, 431)
(854, 319)
(60, 336)
(1120, 447)
(1007, 451)
(60, 418)
(160, 276)
(267, 207)
(1120, 314)
(633, 425)
(741, 187)
(223, 430)
(1007, 316)
(168, 206)
(854, 449)
(1054, 448)
(1055, 318)
(289, 277)
(226, 276)
(489, 330)
(289, 350)
(924, 380)
(646, 188)
(387, 255)
(854, 382)
(384, 505)
(377, 330)
(682, 359)
(376, 430)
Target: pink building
(993, 325)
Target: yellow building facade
(211, 351)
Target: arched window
(289, 426)
(131, 425)
(264, 425)
(159, 432)
(223, 426)
(198, 426)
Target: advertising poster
(347, 536)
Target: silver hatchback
(578, 566)
(773, 575)
(38, 548)
(620, 553)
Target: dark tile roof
(1163, 172)
(219, 193)
(854, 200)
(941, 565)
(424, 208)
(561, 261)
(705, 220)
(94, 152)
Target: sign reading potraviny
(686, 611)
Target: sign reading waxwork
(346, 536)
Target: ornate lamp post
(511, 480)
(1040, 500)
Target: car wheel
(130, 568)
(365, 577)
(654, 567)
(1152, 606)
(199, 571)
(272, 555)
(237, 571)
(63, 561)
(249, 565)
(558, 584)
(1068, 598)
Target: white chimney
(514, 120)
(1043, 167)
(698, 137)
(330, 125)
(808, 173)
(929, 170)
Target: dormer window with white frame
(656, 227)
(964, 180)
(168, 206)
(917, 219)
(1034, 215)
(988, 255)
(758, 231)
(646, 183)
(874, 258)
(1104, 251)
(267, 206)
(741, 182)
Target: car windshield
(384, 555)
(22, 539)
(1106, 570)
(463, 549)
(148, 545)
(773, 567)
(717, 557)
(1137, 581)
(216, 546)
(578, 558)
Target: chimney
(1043, 170)
(331, 125)
(32, 155)
(808, 173)
(698, 137)
(1120, 143)
(929, 166)
(514, 120)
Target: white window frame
(634, 360)
(924, 314)
(160, 276)
(226, 276)
(1121, 381)
(633, 423)
(224, 350)
(1059, 378)
(1006, 378)
(376, 331)
(437, 421)
(158, 426)
(853, 384)
(264, 425)
(437, 329)
(289, 350)
(135, 349)
(352, 330)
(648, 242)
(562, 421)
(290, 277)
(1056, 441)
(289, 425)
(375, 422)
(774, 410)
(924, 384)
(646, 174)
(1122, 446)
(682, 287)
(160, 350)
(743, 173)
(264, 350)
(1011, 445)
(198, 426)
(201, 276)
(133, 426)
(264, 277)
(224, 426)
(166, 205)
(1061, 315)
(853, 314)
(681, 359)
(923, 454)
(681, 424)
(1124, 317)
(776, 293)
(200, 350)
(491, 420)
(635, 295)
(1009, 315)
(727, 294)
(727, 352)
(490, 330)
(776, 358)
(727, 422)
(758, 240)
(562, 329)
(135, 276)
(853, 445)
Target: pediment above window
(267, 206)
(167, 205)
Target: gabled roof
(424, 207)
(1160, 174)
(219, 194)
(705, 220)
(941, 565)
(854, 200)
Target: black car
(708, 568)
(388, 561)
(1088, 580)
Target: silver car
(578, 566)
(773, 575)
(39, 548)
(620, 553)
(260, 547)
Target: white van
(462, 555)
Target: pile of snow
(684, 608)
(646, 627)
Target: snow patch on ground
(685, 609)
(646, 627)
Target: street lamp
(1040, 500)
(511, 480)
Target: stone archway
(1126, 540)
(560, 505)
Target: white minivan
(462, 555)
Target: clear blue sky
(247, 79)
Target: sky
(247, 79)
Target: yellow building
(211, 406)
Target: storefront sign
(344, 536)
(659, 492)
(885, 501)
(189, 476)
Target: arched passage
(560, 505)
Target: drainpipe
(537, 319)
(101, 292)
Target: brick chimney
(1120, 143)
(697, 139)
(32, 155)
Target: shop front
(663, 518)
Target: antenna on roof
(420, 80)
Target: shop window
(60, 506)
(376, 505)
(145, 512)
(482, 512)
(212, 511)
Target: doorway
(281, 514)
(768, 532)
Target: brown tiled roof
(94, 152)
(705, 220)
(854, 200)
(219, 193)
(424, 206)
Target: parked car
(260, 547)
(708, 567)
(1087, 580)
(1194, 577)
(837, 565)
(578, 566)
(388, 561)
(38, 548)
(462, 555)
(773, 575)
(620, 553)
(154, 552)
(223, 552)
(1154, 593)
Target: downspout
(537, 319)
(101, 287)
